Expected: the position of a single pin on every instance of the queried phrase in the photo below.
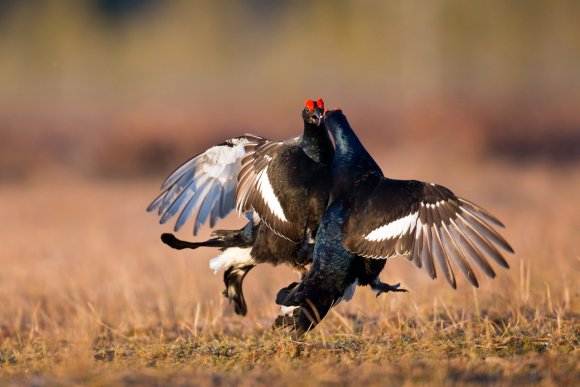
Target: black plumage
(371, 218)
(283, 185)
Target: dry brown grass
(89, 295)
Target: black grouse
(371, 218)
(282, 187)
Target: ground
(89, 295)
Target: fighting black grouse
(270, 182)
(371, 218)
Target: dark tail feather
(234, 278)
(242, 238)
(173, 242)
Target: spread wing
(426, 223)
(275, 181)
(205, 185)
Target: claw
(382, 287)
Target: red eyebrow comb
(310, 104)
(320, 103)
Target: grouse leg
(233, 279)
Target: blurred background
(130, 87)
(101, 99)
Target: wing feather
(426, 223)
(480, 212)
(186, 180)
(470, 250)
(175, 206)
(206, 207)
(213, 172)
(156, 202)
(454, 252)
(481, 242)
(217, 210)
(192, 206)
(417, 247)
(441, 257)
(486, 231)
(426, 254)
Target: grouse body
(371, 218)
(282, 187)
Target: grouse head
(313, 112)
(334, 118)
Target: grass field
(89, 295)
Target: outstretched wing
(205, 184)
(425, 223)
(276, 181)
